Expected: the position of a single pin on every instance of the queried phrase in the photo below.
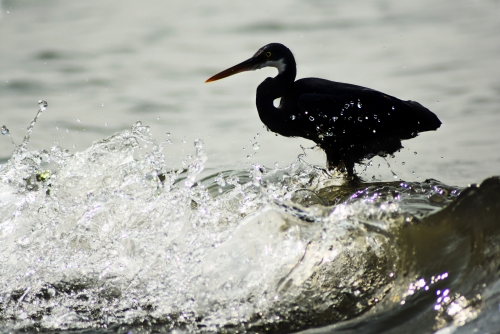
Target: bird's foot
(353, 179)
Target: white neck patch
(279, 64)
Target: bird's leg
(332, 160)
(352, 178)
(349, 165)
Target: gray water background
(103, 65)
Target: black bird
(350, 123)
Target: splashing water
(42, 107)
(4, 130)
(110, 236)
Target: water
(198, 219)
(109, 237)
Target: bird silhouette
(350, 123)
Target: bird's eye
(268, 54)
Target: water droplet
(198, 143)
(256, 146)
(105, 124)
(168, 134)
(4, 130)
(168, 141)
(220, 180)
(329, 134)
(343, 131)
(403, 163)
(335, 119)
(415, 153)
(360, 119)
(311, 118)
(346, 106)
(366, 117)
(78, 120)
(43, 105)
(138, 123)
(342, 113)
(395, 176)
(374, 131)
(292, 117)
(102, 104)
(393, 108)
(359, 104)
(306, 112)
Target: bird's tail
(428, 121)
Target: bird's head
(271, 55)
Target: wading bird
(350, 123)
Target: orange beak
(248, 65)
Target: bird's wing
(360, 114)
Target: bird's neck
(273, 88)
(270, 90)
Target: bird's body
(350, 123)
